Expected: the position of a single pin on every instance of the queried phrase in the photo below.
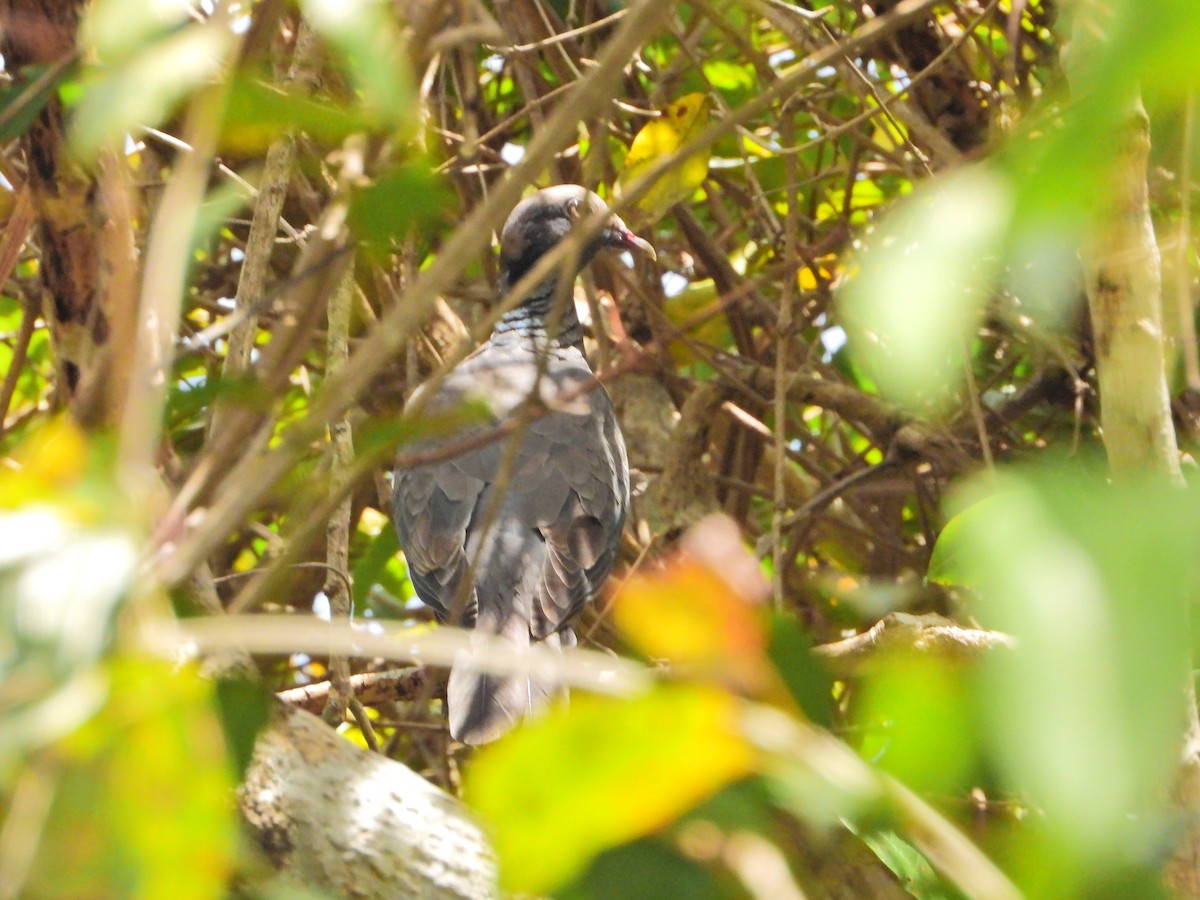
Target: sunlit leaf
(1093, 581)
(728, 76)
(258, 113)
(407, 197)
(659, 753)
(145, 89)
(691, 616)
(923, 280)
(143, 794)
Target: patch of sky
(673, 283)
(512, 153)
(781, 57)
(833, 339)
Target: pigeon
(512, 538)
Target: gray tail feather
(483, 707)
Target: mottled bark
(84, 224)
(332, 817)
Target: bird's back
(512, 538)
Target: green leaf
(1093, 581)
(913, 708)
(142, 806)
(805, 676)
(146, 89)
(244, 706)
(407, 197)
(946, 564)
(19, 106)
(365, 33)
(258, 113)
(646, 869)
(909, 865)
(116, 30)
(727, 76)
(380, 565)
(923, 279)
(219, 206)
(547, 791)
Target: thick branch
(931, 634)
(335, 818)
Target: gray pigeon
(512, 541)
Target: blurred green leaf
(1093, 581)
(146, 89)
(647, 869)
(728, 76)
(116, 30)
(659, 753)
(19, 106)
(219, 206)
(244, 706)
(805, 676)
(914, 708)
(923, 279)
(407, 197)
(143, 794)
(946, 564)
(365, 34)
(259, 113)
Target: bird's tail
(482, 707)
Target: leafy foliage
(864, 336)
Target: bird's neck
(542, 317)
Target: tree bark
(1124, 288)
(331, 816)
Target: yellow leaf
(660, 137)
(696, 311)
(600, 773)
(690, 615)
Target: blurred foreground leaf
(689, 615)
(916, 708)
(1093, 580)
(409, 196)
(923, 279)
(142, 801)
(258, 113)
(365, 34)
(145, 89)
(570, 785)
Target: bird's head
(542, 220)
